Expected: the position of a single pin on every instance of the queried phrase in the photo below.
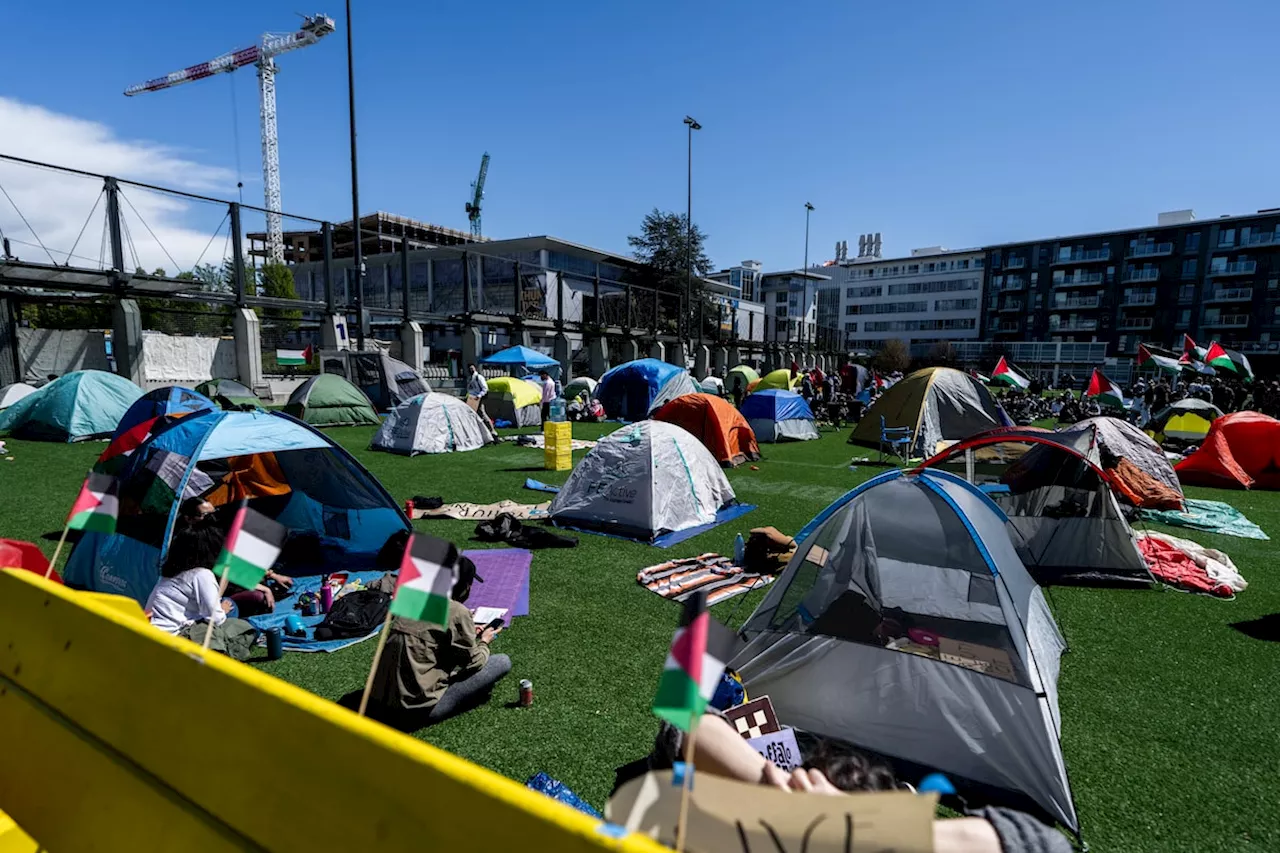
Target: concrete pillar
(522, 337)
(701, 361)
(658, 351)
(247, 329)
(564, 355)
(719, 361)
(472, 346)
(126, 339)
(333, 332)
(678, 354)
(821, 361)
(412, 350)
(734, 357)
(598, 356)
(629, 350)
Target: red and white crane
(262, 54)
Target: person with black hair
(198, 513)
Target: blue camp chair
(896, 439)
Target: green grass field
(1169, 713)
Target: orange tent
(716, 423)
(1241, 451)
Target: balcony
(1005, 327)
(1233, 268)
(1015, 263)
(1075, 302)
(1080, 279)
(1011, 306)
(1013, 283)
(1082, 256)
(1135, 324)
(1076, 325)
(1229, 294)
(1225, 321)
(1262, 238)
(1141, 275)
(1138, 298)
(1150, 250)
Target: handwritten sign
(778, 747)
(977, 657)
(733, 816)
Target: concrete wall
(58, 351)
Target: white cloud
(57, 206)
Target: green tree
(277, 282)
(662, 249)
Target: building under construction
(380, 233)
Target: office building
(790, 302)
(379, 233)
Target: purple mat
(506, 580)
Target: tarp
(641, 481)
(76, 407)
(228, 393)
(523, 357)
(1186, 420)
(11, 394)
(1241, 451)
(775, 415)
(328, 400)
(514, 400)
(1140, 471)
(1189, 566)
(778, 380)
(432, 423)
(716, 423)
(906, 625)
(634, 390)
(938, 404)
(1209, 516)
(172, 400)
(186, 359)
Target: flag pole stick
(686, 786)
(57, 551)
(373, 668)
(208, 633)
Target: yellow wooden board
(128, 730)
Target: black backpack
(356, 614)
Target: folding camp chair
(896, 439)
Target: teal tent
(75, 407)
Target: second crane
(477, 194)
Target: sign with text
(778, 747)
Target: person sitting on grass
(428, 673)
(198, 513)
(185, 600)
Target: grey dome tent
(432, 423)
(385, 380)
(641, 481)
(906, 625)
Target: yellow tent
(744, 372)
(779, 379)
(515, 400)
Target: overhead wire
(177, 267)
(28, 224)
(71, 254)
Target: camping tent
(386, 381)
(524, 360)
(641, 481)
(938, 404)
(775, 415)
(1064, 518)
(579, 384)
(514, 400)
(712, 385)
(285, 468)
(1139, 471)
(74, 407)
(329, 400)
(1241, 451)
(11, 394)
(741, 376)
(906, 625)
(172, 400)
(778, 380)
(632, 391)
(229, 394)
(1186, 421)
(432, 423)
(716, 423)
(854, 379)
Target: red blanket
(1173, 566)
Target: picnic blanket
(711, 573)
(1209, 516)
(1189, 566)
(539, 441)
(483, 512)
(506, 580)
(288, 607)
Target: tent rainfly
(432, 423)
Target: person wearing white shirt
(548, 394)
(477, 385)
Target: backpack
(356, 614)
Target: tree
(662, 248)
(277, 282)
(943, 354)
(892, 355)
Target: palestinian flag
(1166, 363)
(699, 652)
(97, 506)
(293, 357)
(427, 574)
(123, 445)
(1006, 374)
(1190, 351)
(251, 549)
(1105, 390)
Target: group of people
(1227, 393)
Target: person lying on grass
(833, 768)
(428, 672)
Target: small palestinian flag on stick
(1105, 390)
(96, 507)
(252, 546)
(293, 357)
(1006, 374)
(699, 652)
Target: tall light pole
(808, 208)
(358, 259)
(688, 217)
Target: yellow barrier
(117, 737)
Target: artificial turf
(1169, 713)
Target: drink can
(408, 508)
(275, 644)
(526, 693)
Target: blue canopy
(170, 400)
(75, 407)
(518, 356)
(288, 470)
(776, 405)
(633, 390)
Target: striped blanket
(715, 575)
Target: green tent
(329, 400)
(229, 394)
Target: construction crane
(477, 193)
(262, 54)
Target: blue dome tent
(170, 400)
(527, 360)
(775, 415)
(285, 468)
(634, 390)
(76, 407)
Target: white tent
(11, 394)
(577, 385)
(641, 481)
(712, 384)
(431, 423)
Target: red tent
(1241, 451)
(15, 554)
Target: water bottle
(739, 550)
(557, 410)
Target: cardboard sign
(977, 657)
(733, 816)
(779, 747)
(484, 512)
(754, 718)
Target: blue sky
(935, 123)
